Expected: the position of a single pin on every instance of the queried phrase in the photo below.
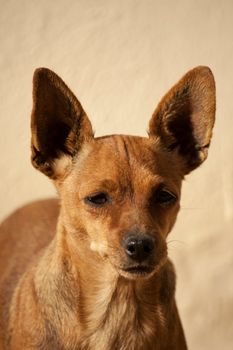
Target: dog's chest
(122, 322)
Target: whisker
(172, 244)
(190, 208)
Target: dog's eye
(97, 199)
(164, 197)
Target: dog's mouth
(141, 270)
(137, 271)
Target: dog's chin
(137, 272)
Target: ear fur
(184, 118)
(59, 124)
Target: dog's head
(121, 193)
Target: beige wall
(120, 57)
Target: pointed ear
(184, 118)
(59, 124)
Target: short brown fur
(72, 274)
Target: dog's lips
(139, 270)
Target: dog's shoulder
(23, 235)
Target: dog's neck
(88, 283)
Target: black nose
(138, 247)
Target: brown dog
(104, 281)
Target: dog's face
(123, 193)
(119, 193)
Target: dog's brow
(96, 185)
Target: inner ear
(59, 123)
(184, 118)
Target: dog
(91, 271)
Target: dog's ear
(184, 118)
(59, 124)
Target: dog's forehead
(126, 148)
(118, 155)
(117, 152)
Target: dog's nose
(138, 247)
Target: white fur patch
(99, 248)
(61, 164)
